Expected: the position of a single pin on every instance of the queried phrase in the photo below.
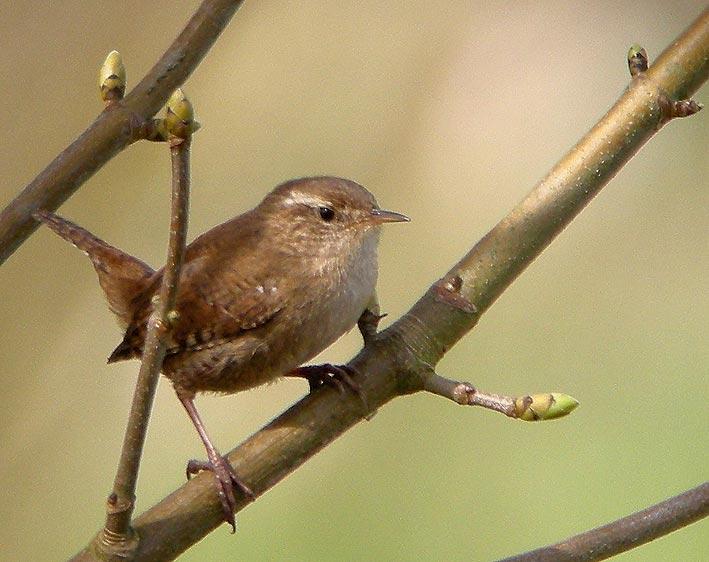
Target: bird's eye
(326, 213)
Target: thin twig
(532, 407)
(116, 127)
(626, 533)
(117, 538)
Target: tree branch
(117, 540)
(400, 359)
(626, 533)
(511, 246)
(116, 127)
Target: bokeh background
(449, 112)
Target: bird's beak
(380, 216)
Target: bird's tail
(122, 276)
(79, 237)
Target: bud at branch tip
(542, 407)
(179, 119)
(112, 78)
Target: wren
(258, 296)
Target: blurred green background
(449, 112)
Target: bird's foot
(368, 324)
(338, 376)
(227, 482)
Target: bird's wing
(223, 311)
(210, 313)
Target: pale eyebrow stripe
(300, 198)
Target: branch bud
(542, 407)
(112, 78)
(179, 119)
(637, 60)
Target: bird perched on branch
(258, 295)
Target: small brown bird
(258, 295)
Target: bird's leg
(341, 376)
(223, 471)
(369, 320)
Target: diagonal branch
(513, 244)
(626, 533)
(116, 127)
(400, 359)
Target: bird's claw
(368, 324)
(227, 482)
(338, 376)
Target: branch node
(153, 130)
(177, 125)
(463, 392)
(449, 291)
(459, 392)
(669, 108)
(117, 547)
